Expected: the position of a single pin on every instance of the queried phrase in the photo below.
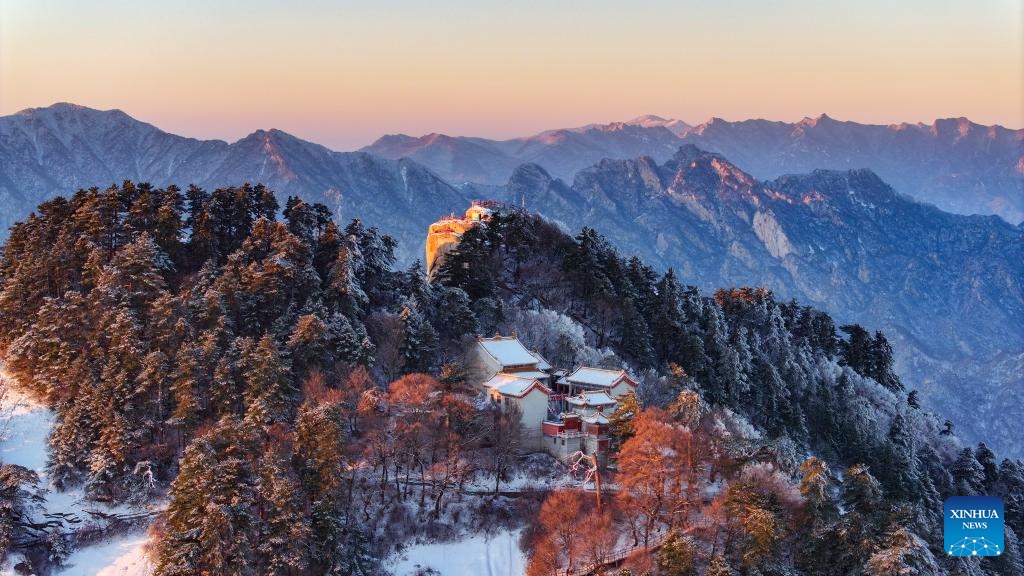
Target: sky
(342, 73)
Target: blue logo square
(973, 526)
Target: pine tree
(269, 394)
(845, 546)
(211, 526)
(621, 420)
(465, 266)
(856, 351)
(1010, 562)
(188, 379)
(900, 463)
(882, 364)
(419, 340)
(343, 286)
(861, 492)
(987, 458)
(666, 317)
(19, 494)
(451, 314)
(634, 339)
(284, 539)
(718, 567)
(902, 553)
(676, 556)
(1011, 489)
(815, 487)
(309, 345)
(968, 474)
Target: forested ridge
(301, 405)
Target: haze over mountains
(954, 163)
(949, 289)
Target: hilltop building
(559, 413)
(444, 234)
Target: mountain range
(947, 288)
(957, 165)
(56, 150)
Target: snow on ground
(481, 555)
(537, 471)
(24, 429)
(25, 426)
(123, 556)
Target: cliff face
(443, 235)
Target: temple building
(560, 413)
(445, 234)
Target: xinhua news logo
(973, 526)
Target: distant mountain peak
(57, 107)
(689, 152)
(819, 119)
(647, 118)
(653, 121)
(69, 108)
(394, 139)
(531, 171)
(947, 126)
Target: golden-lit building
(444, 234)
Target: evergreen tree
(856, 351)
(968, 474)
(987, 458)
(1010, 562)
(718, 567)
(1011, 489)
(269, 393)
(309, 345)
(676, 556)
(621, 420)
(902, 553)
(882, 363)
(284, 539)
(815, 487)
(900, 464)
(419, 340)
(211, 526)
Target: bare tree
(559, 518)
(585, 466)
(504, 434)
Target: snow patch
(481, 555)
(124, 556)
(25, 426)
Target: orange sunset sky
(344, 73)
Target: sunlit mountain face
(845, 241)
(511, 289)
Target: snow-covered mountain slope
(948, 289)
(957, 165)
(562, 151)
(52, 151)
